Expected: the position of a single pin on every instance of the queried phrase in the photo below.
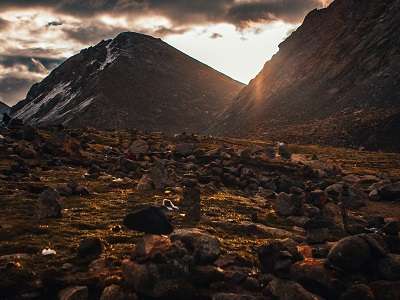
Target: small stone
(184, 149)
(317, 235)
(317, 198)
(150, 245)
(284, 151)
(113, 292)
(90, 247)
(191, 202)
(392, 228)
(145, 184)
(49, 206)
(159, 175)
(27, 153)
(205, 275)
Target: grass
(96, 214)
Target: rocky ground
(86, 214)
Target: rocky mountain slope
(82, 212)
(336, 80)
(132, 81)
(3, 107)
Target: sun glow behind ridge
(240, 55)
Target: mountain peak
(131, 81)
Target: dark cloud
(92, 33)
(161, 31)
(36, 52)
(182, 12)
(216, 35)
(33, 64)
(291, 11)
(4, 24)
(54, 23)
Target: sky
(235, 37)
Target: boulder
(150, 245)
(386, 290)
(316, 278)
(205, 247)
(140, 277)
(333, 215)
(206, 275)
(358, 291)
(349, 196)
(74, 293)
(138, 147)
(289, 290)
(318, 235)
(114, 292)
(389, 267)
(353, 253)
(149, 220)
(165, 281)
(392, 228)
(277, 256)
(390, 192)
(232, 296)
(317, 198)
(289, 204)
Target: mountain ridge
(333, 81)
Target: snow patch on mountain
(77, 109)
(110, 58)
(35, 105)
(57, 111)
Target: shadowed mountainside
(132, 81)
(334, 81)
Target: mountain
(4, 108)
(335, 80)
(131, 81)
